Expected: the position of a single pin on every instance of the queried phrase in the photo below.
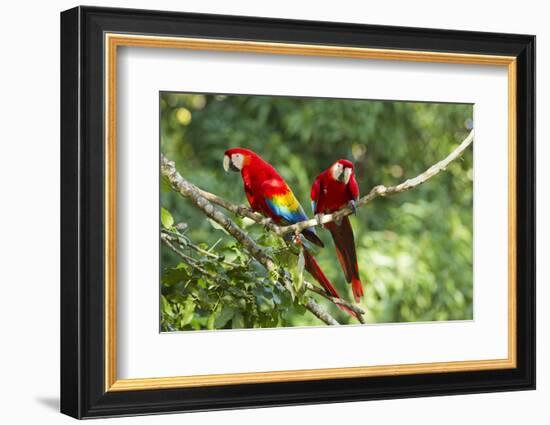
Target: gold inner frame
(113, 41)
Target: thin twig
(188, 260)
(353, 307)
(179, 238)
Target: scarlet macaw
(268, 194)
(334, 188)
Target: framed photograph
(261, 212)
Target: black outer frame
(82, 206)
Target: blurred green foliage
(414, 249)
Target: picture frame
(90, 40)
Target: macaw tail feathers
(357, 289)
(342, 234)
(313, 268)
(311, 236)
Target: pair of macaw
(269, 194)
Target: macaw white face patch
(237, 159)
(347, 174)
(235, 162)
(337, 170)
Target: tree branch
(374, 193)
(382, 190)
(320, 312)
(353, 307)
(240, 210)
(188, 190)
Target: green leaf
(179, 274)
(217, 226)
(298, 272)
(238, 321)
(166, 218)
(165, 185)
(285, 257)
(223, 317)
(188, 311)
(265, 304)
(166, 308)
(211, 319)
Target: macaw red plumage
(269, 194)
(333, 189)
